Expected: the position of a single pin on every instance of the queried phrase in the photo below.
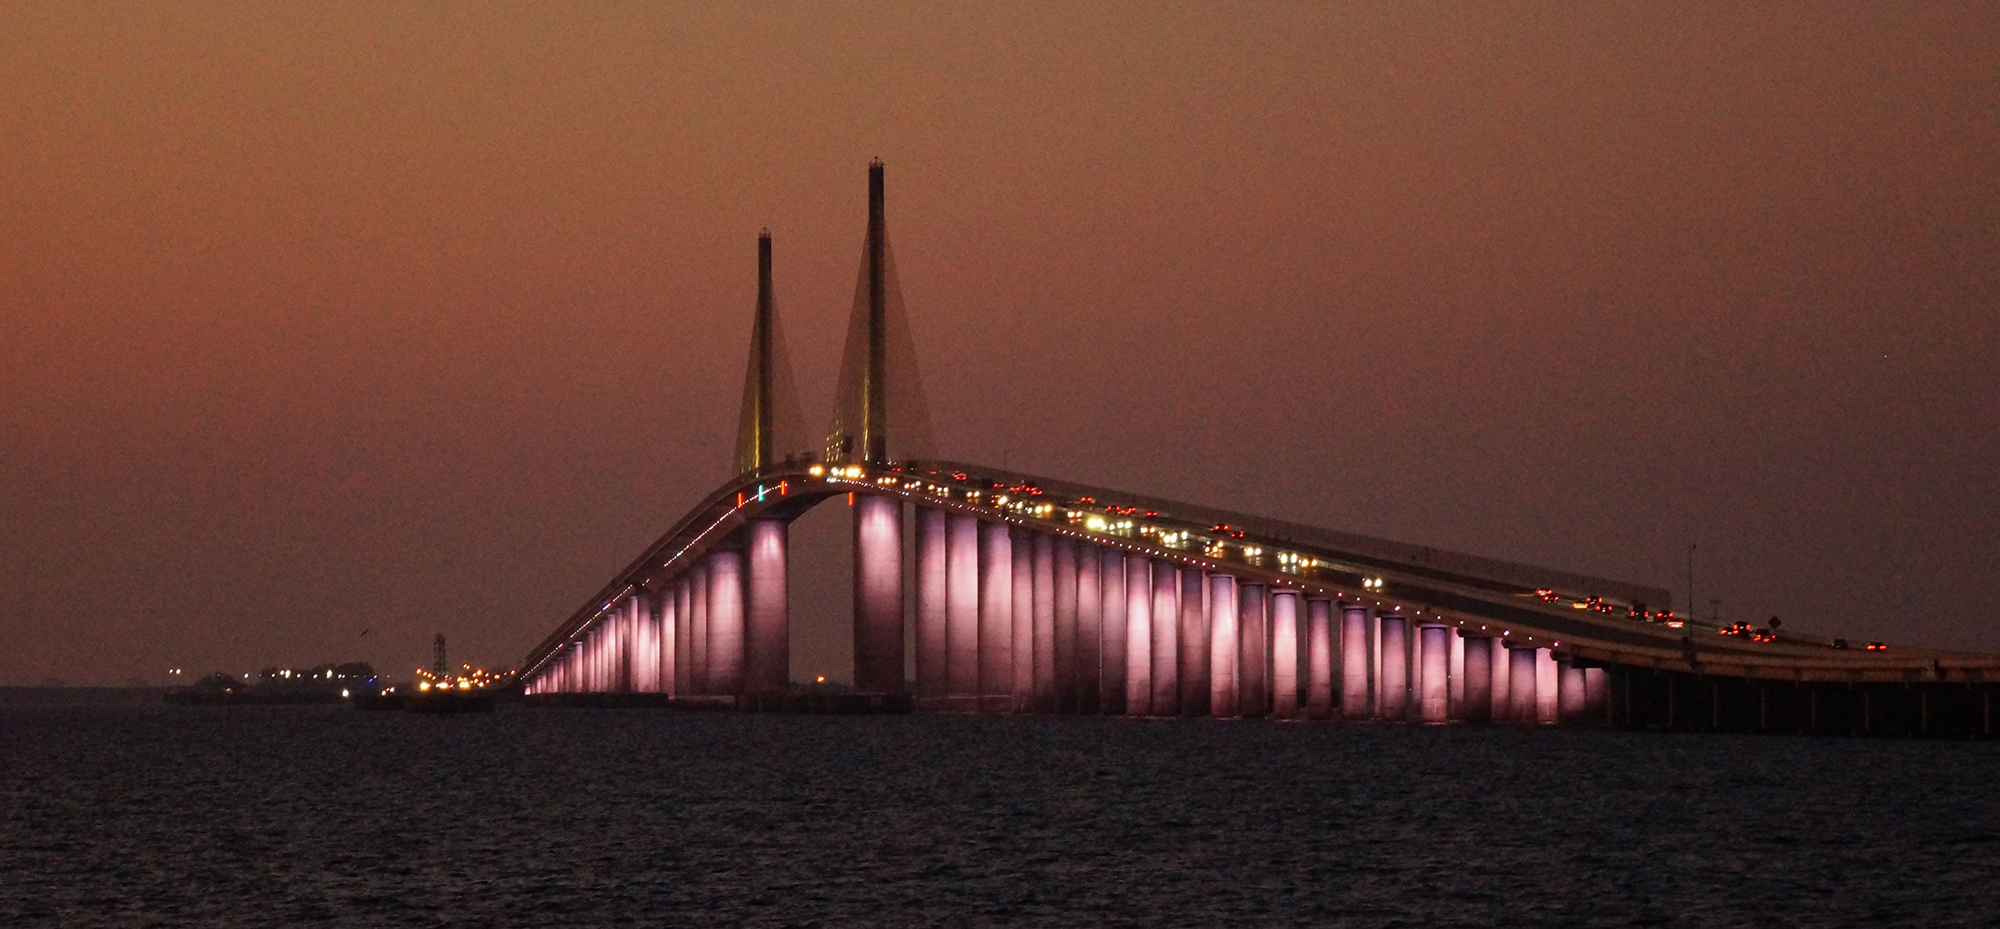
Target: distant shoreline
(20, 695)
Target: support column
(1503, 682)
(962, 609)
(1319, 658)
(1596, 697)
(1455, 701)
(1114, 634)
(725, 622)
(1043, 635)
(704, 682)
(1545, 687)
(933, 604)
(1224, 660)
(1166, 639)
(1253, 675)
(1023, 627)
(1521, 684)
(767, 646)
(1089, 630)
(1395, 696)
(670, 640)
(1434, 687)
(1284, 653)
(1065, 647)
(1478, 679)
(646, 646)
(1569, 692)
(996, 617)
(1138, 636)
(626, 630)
(1354, 683)
(1194, 672)
(878, 594)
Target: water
(150, 815)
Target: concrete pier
(878, 594)
(1521, 684)
(1502, 681)
(1115, 635)
(768, 640)
(725, 622)
(684, 675)
(1319, 658)
(1024, 621)
(1434, 672)
(1284, 653)
(1223, 646)
(1478, 679)
(996, 617)
(962, 609)
(1194, 643)
(1138, 636)
(698, 576)
(1394, 699)
(1569, 692)
(1089, 630)
(1064, 624)
(1166, 615)
(1253, 677)
(1355, 686)
(933, 604)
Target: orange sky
(419, 317)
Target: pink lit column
(1521, 684)
(1596, 697)
(1354, 650)
(933, 598)
(1166, 639)
(1503, 681)
(1395, 695)
(1223, 645)
(767, 646)
(1023, 627)
(1138, 636)
(1089, 629)
(670, 640)
(1545, 687)
(878, 594)
(962, 609)
(1043, 635)
(646, 647)
(1284, 653)
(996, 616)
(1569, 692)
(1065, 646)
(1319, 658)
(684, 676)
(1195, 688)
(1434, 665)
(1112, 632)
(725, 621)
(1457, 682)
(699, 663)
(1478, 679)
(1253, 675)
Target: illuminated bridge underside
(1040, 595)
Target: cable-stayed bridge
(1026, 594)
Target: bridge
(1023, 593)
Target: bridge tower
(879, 385)
(769, 425)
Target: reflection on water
(134, 815)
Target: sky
(328, 327)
